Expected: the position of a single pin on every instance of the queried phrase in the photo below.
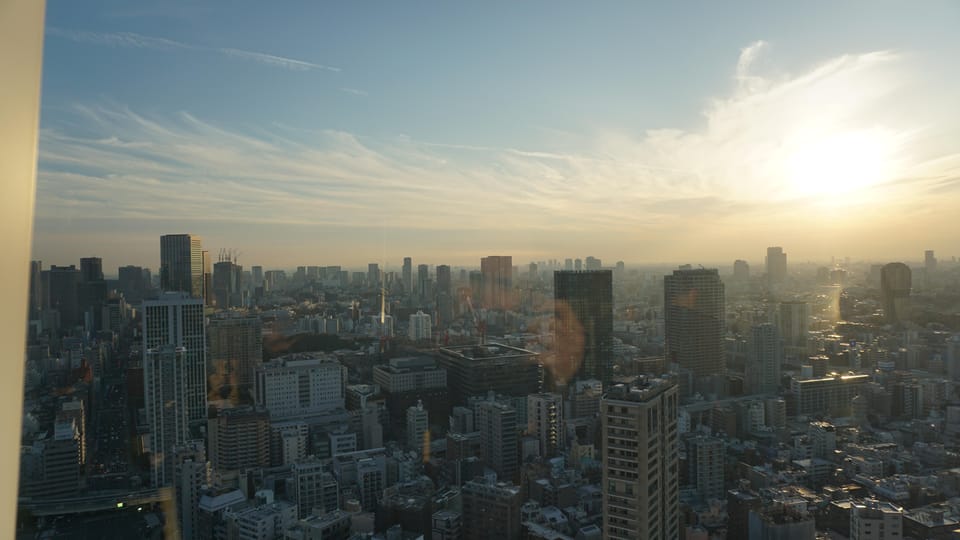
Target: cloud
(728, 180)
(132, 40)
(279, 61)
(118, 39)
(354, 91)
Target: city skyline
(349, 134)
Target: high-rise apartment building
(497, 424)
(497, 281)
(239, 439)
(235, 350)
(166, 395)
(419, 326)
(641, 494)
(793, 321)
(583, 316)
(545, 422)
(776, 265)
(895, 284)
(764, 356)
(694, 321)
(181, 264)
(299, 385)
(175, 319)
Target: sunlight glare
(841, 163)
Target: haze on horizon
(342, 134)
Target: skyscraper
(373, 275)
(175, 319)
(583, 315)
(793, 323)
(131, 283)
(776, 265)
(418, 423)
(36, 290)
(705, 460)
(694, 321)
(641, 495)
(929, 261)
(91, 269)
(765, 353)
(226, 284)
(741, 270)
(444, 296)
(497, 281)
(895, 284)
(62, 284)
(407, 276)
(182, 264)
(423, 282)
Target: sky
(321, 133)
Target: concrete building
(298, 385)
(420, 327)
(764, 356)
(418, 427)
(497, 281)
(409, 373)
(239, 439)
(475, 370)
(314, 488)
(776, 266)
(705, 459)
(875, 520)
(825, 395)
(499, 436)
(895, 284)
(491, 511)
(545, 422)
(165, 372)
(640, 460)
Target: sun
(841, 163)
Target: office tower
(208, 298)
(62, 284)
(235, 350)
(131, 283)
(705, 460)
(568, 265)
(444, 280)
(825, 395)
(875, 520)
(776, 265)
(741, 270)
(694, 321)
(793, 322)
(423, 282)
(641, 494)
(373, 275)
(91, 269)
(419, 327)
(895, 283)
(166, 370)
(476, 287)
(929, 261)
(764, 356)
(91, 292)
(444, 296)
(36, 290)
(583, 316)
(497, 424)
(407, 276)
(298, 385)
(592, 263)
(497, 281)
(256, 273)
(545, 422)
(418, 424)
(182, 264)
(314, 488)
(239, 439)
(491, 511)
(176, 319)
(578, 265)
(226, 284)
(475, 370)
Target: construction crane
(478, 323)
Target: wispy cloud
(354, 91)
(279, 61)
(724, 181)
(132, 40)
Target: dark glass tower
(583, 314)
(694, 321)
